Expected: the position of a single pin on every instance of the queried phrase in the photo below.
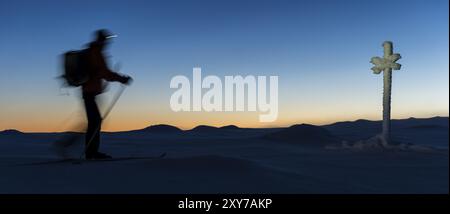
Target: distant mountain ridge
(11, 132)
(413, 123)
(159, 128)
(440, 121)
(420, 131)
(305, 134)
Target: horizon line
(269, 127)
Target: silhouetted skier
(98, 71)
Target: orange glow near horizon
(185, 121)
(128, 114)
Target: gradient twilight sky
(320, 49)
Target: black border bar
(170, 202)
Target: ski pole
(108, 110)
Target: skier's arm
(107, 73)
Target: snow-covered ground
(223, 161)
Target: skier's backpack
(76, 70)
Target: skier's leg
(94, 125)
(98, 124)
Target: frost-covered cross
(386, 64)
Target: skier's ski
(81, 161)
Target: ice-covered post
(386, 64)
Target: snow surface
(234, 161)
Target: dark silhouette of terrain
(204, 129)
(305, 134)
(162, 129)
(415, 128)
(296, 159)
(411, 130)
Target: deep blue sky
(320, 49)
